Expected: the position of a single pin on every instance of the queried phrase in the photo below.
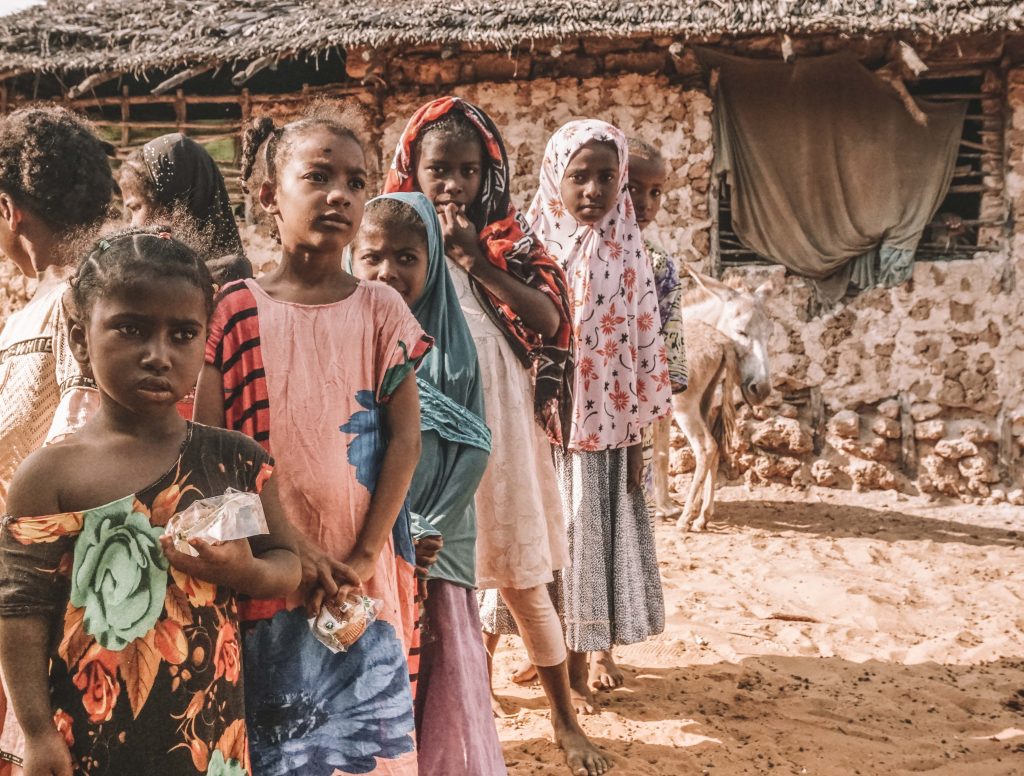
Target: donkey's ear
(764, 290)
(711, 286)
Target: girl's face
(449, 170)
(145, 342)
(320, 192)
(590, 184)
(646, 185)
(138, 210)
(396, 257)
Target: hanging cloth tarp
(828, 170)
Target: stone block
(845, 424)
(1016, 497)
(870, 475)
(824, 473)
(925, 410)
(955, 449)
(783, 435)
(787, 410)
(890, 408)
(979, 468)
(977, 432)
(887, 427)
(938, 475)
(930, 430)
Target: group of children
(440, 402)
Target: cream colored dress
(43, 397)
(520, 533)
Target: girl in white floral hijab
(611, 592)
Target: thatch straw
(138, 35)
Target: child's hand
(427, 550)
(222, 563)
(461, 240)
(46, 754)
(634, 467)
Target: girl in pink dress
(319, 368)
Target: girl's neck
(305, 277)
(115, 419)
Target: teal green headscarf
(454, 456)
(451, 392)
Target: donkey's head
(738, 314)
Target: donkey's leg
(663, 504)
(701, 440)
(707, 508)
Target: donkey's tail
(724, 430)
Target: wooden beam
(253, 68)
(92, 82)
(180, 78)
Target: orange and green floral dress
(145, 674)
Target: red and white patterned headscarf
(622, 379)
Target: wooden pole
(126, 133)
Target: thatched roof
(140, 35)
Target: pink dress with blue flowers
(312, 383)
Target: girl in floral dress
(318, 367)
(611, 591)
(123, 653)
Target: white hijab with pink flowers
(622, 380)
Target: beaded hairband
(104, 245)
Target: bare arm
(24, 652)
(462, 243)
(25, 640)
(209, 404)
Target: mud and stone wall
(919, 387)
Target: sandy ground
(821, 633)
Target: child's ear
(10, 213)
(268, 197)
(77, 340)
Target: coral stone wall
(918, 387)
(649, 107)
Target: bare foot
(498, 707)
(582, 756)
(525, 674)
(582, 698)
(604, 674)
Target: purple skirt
(455, 729)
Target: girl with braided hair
(318, 367)
(122, 651)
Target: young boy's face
(646, 185)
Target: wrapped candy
(234, 515)
(340, 622)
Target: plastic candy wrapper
(234, 515)
(339, 624)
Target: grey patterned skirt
(611, 591)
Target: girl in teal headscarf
(400, 244)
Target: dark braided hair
(392, 214)
(132, 255)
(265, 146)
(53, 165)
(454, 125)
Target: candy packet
(340, 623)
(234, 515)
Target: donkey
(727, 333)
